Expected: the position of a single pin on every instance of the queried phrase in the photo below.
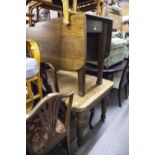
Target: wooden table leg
(101, 53)
(119, 97)
(92, 112)
(81, 81)
(100, 68)
(80, 131)
(103, 109)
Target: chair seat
(31, 67)
(38, 137)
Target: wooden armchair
(37, 82)
(44, 129)
(66, 6)
(32, 50)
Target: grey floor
(108, 138)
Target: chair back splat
(50, 130)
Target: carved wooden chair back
(50, 130)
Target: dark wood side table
(94, 93)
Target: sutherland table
(94, 93)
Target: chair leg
(75, 5)
(119, 97)
(127, 86)
(121, 81)
(68, 142)
(104, 103)
(65, 11)
(126, 90)
(92, 112)
(81, 81)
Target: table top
(68, 81)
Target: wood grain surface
(68, 82)
(63, 46)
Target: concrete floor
(108, 138)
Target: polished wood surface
(68, 81)
(63, 46)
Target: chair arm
(54, 76)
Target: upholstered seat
(38, 137)
(31, 67)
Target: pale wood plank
(68, 82)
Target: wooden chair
(44, 129)
(124, 82)
(33, 52)
(66, 6)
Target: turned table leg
(80, 131)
